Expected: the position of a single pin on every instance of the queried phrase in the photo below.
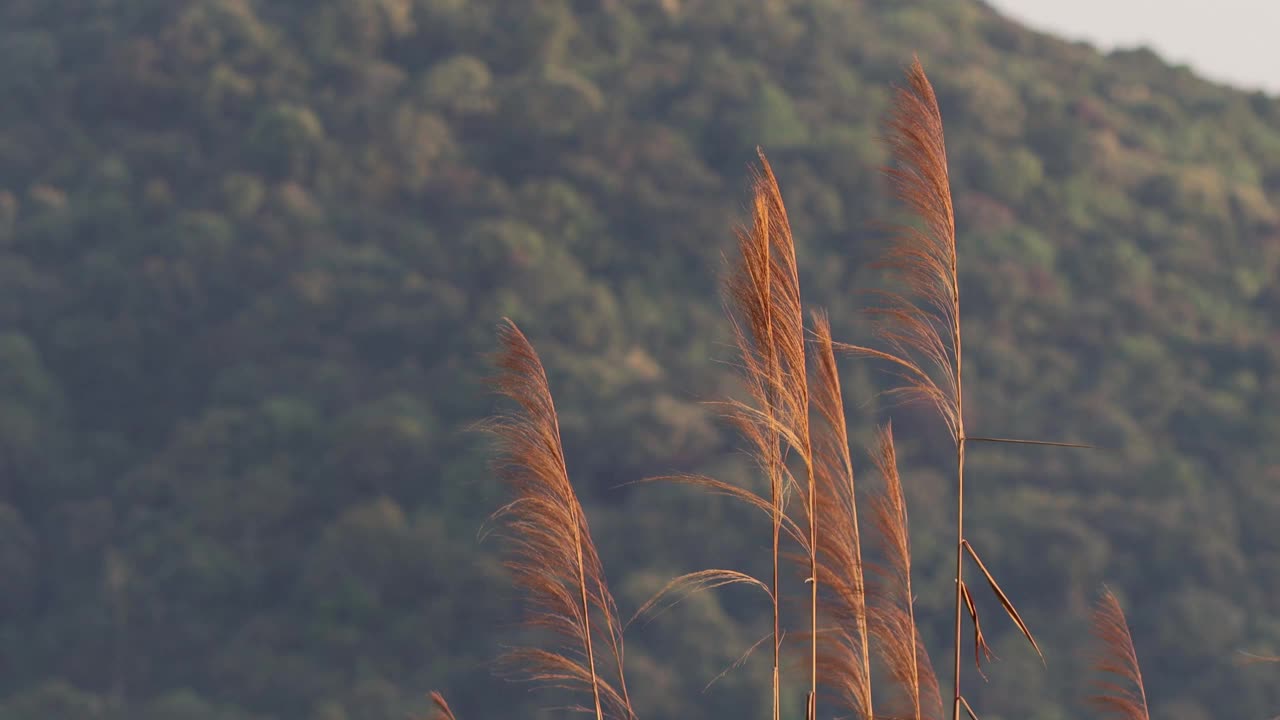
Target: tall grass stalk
(921, 329)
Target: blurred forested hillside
(252, 253)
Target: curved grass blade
(696, 582)
(720, 487)
(737, 663)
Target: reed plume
(893, 621)
(921, 328)
(763, 296)
(845, 653)
(442, 711)
(766, 293)
(554, 560)
(1122, 694)
(923, 335)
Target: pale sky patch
(1231, 41)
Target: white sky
(1232, 41)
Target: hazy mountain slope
(252, 253)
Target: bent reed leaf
(980, 647)
(1004, 600)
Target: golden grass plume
(844, 648)
(922, 334)
(920, 327)
(769, 329)
(763, 297)
(893, 622)
(553, 559)
(1122, 693)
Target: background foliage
(252, 254)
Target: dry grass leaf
(980, 647)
